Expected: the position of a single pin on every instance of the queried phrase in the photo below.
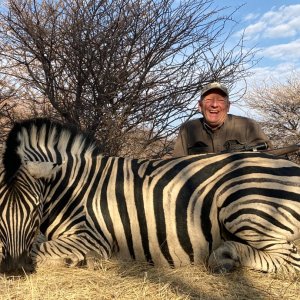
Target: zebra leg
(54, 252)
(65, 250)
(278, 256)
(224, 259)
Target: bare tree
(118, 67)
(17, 101)
(8, 94)
(278, 105)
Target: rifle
(261, 147)
(283, 150)
(234, 146)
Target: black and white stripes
(227, 210)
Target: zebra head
(23, 179)
(21, 204)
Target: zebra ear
(42, 169)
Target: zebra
(225, 210)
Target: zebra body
(228, 210)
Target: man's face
(214, 107)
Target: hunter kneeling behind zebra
(226, 210)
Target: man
(217, 130)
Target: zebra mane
(31, 140)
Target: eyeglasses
(219, 101)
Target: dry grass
(115, 280)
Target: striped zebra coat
(226, 210)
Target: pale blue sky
(273, 27)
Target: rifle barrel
(283, 151)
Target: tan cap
(214, 86)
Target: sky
(273, 28)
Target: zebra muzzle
(18, 266)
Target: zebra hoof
(223, 260)
(93, 260)
(71, 261)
